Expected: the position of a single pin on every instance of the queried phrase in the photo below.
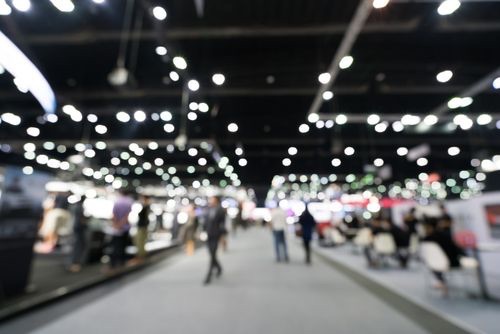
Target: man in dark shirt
(142, 228)
(214, 227)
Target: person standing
(79, 237)
(278, 226)
(214, 227)
(120, 229)
(189, 230)
(308, 225)
(142, 228)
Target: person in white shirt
(278, 226)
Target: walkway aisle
(255, 295)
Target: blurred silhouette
(188, 234)
(142, 229)
(79, 237)
(214, 227)
(278, 226)
(120, 229)
(308, 225)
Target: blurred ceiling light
(193, 106)
(140, 116)
(455, 103)
(180, 63)
(410, 119)
(422, 162)
(4, 9)
(242, 162)
(159, 13)
(122, 116)
(92, 118)
(232, 127)
(336, 162)
(444, 76)
(193, 85)
(101, 129)
(327, 95)
(378, 162)
(192, 116)
(202, 161)
(313, 117)
(33, 132)
(484, 119)
(402, 151)
(448, 7)
(65, 6)
(161, 50)
(381, 127)
(373, 119)
(203, 107)
(11, 119)
(166, 116)
(304, 128)
(496, 83)
(169, 128)
(380, 3)
(238, 151)
(286, 162)
(99, 2)
(324, 78)
(21, 68)
(349, 150)
(431, 120)
(174, 76)
(346, 62)
(22, 5)
(463, 121)
(398, 126)
(453, 151)
(292, 150)
(341, 119)
(218, 79)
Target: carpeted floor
(255, 295)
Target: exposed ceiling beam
(484, 84)
(93, 36)
(355, 26)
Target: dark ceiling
(396, 58)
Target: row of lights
(65, 6)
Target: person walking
(79, 237)
(142, 229)
(120, 229)
(278, 226)
(308, 225)
(214, 227)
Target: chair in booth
(384, 246)
(363, 238)
(436, 260)
(337, 237)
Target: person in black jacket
(214, 227)
(79, 237)
(308, 224)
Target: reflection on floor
(255, 295)
(412, 283)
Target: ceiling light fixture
(444, 76)
(4, 10)
(159, 13)
(324, 78)
(161, 50)
(448, 7)
(22, 5)
(232, 127)
(180, 63)
(193, 85)
(65, 6)
(380, 3)
(327, 95)
(346, 62)
(218, 79)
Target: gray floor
(255, 295)
(415, 283)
